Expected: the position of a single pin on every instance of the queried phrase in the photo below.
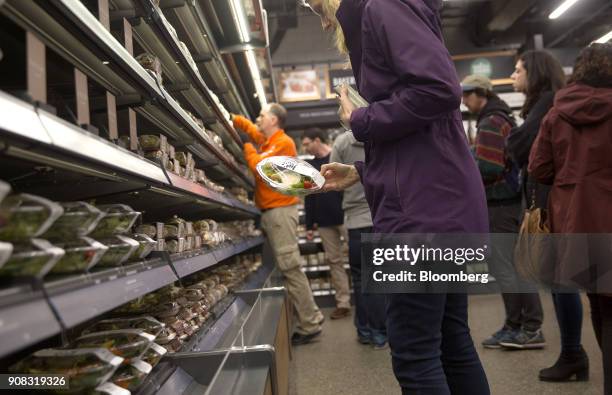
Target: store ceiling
(478, 25)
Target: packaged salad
(109, 389)
(290, 176)
(132, 376)
(80, 256)
(146, 323)
(125, 343)
(78, 219)
(28, 216)
(36, 258)
(85, 368)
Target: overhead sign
(498, 66)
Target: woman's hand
(346, 107)
(338, 176)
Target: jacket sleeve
(249, 128)
(417, 55)
(521, 138)
(489, 149)
(541, 163)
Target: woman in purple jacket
(418, 174)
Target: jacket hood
(495, 105)
(349, 16)
(581, 104)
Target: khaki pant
(332, 244)
(280, 225)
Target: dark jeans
(521, 300)
(431, 347)
(568, 309)
(601, 315)
(369, 315)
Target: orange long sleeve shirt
(279, 144)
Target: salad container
(354, 97)
(166, 336)
(117, 219)
(120, 249)
(5, 189)
(154, 354)
(6, 249)
(78, 219)
(125, 343)
(290, 176)
(139, 305)
(85, 368)
(147, 229)
(28, 216)
(146, 245)
(34, 259)
(109, 389)
(146, 323)
(131, 376)
(80, 256)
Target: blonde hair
(330, 7)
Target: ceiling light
(256, 75)
(239, 18)
(605, 38)
(562, 8)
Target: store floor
(337, 364)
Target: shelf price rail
(80, 298)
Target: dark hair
(279, 112)
(480, 92)
(594, 66)
(544, 73)
(315, 133)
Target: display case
(77, 100)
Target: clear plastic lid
(29, 216)
(6, 249)
(34, 259)
(290, 176)
(117, 219)
(80, 256)
(5, 189)
(146, 323)
(86, 368)
(78, 219)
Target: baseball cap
(475, 81)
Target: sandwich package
(290, 176)
(355, 99)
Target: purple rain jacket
(419, 175)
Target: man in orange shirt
(279, 217)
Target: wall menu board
(498, 66)
(299, 85)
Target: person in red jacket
(279, 217)
(573, 153)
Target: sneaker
(504, 333)
(379, 347)
(340, 312)
(299, 339)
(364, 339)
(525, 340)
